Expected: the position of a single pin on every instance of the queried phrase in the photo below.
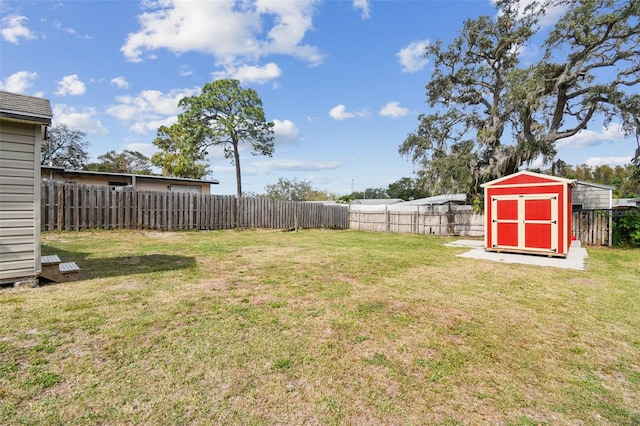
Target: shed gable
(526, 178)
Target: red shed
(528, 212)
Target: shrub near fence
(75, 207)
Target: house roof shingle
(23, 107)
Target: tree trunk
(236, 160)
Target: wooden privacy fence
(75, 207)
(439, 220)
(595, 227)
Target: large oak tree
(492, 113)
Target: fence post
(387, 218)
(610, 227)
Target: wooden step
(50, 260)
(68, 267)
(53, 269)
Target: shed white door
(525, 222)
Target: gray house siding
(19, 200)
(589, 196)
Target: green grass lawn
(318, 327)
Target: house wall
(19, 200)
(591, 197)
(153, 185)
(85, 180)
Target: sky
(343, 81)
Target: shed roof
(25, 108)
(526, 177)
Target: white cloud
(285, 131)
(149, 102)
(412, 56)
(18, 82)
(364, 6)
(611, 161)
(232, 31)
(58, 26)
(290, 164)
(143, 127)
(13, 29)
(551, 13)
(536, 163)
(393, 109)
(339, 112)
(120, 82)
(251, 73)
(144, 148)
(70, 85)
(185, 70)
(84, 120)
(150, 108)
(587, 138)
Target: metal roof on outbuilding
(377, 201)
(619, 203)
(595, 185)
(72, 173)
(439, 200)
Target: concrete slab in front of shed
(574, 260)
(466, 243)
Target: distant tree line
(301, 190)
(625, 178)
(67, 147)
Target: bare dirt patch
(583, 281)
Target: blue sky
(342, 80)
